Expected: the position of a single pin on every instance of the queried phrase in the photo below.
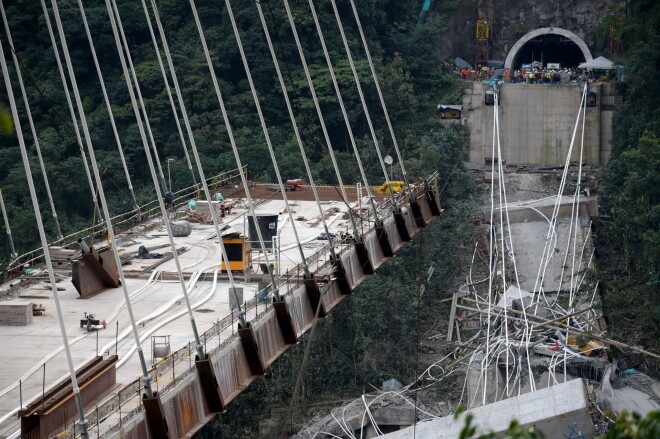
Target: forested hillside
(413, 73)
(628, 240)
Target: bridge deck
(34, 356)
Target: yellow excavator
(397, 186)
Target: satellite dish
(388, 159)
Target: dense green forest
(413, 77)
(628, 238)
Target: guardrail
(120, 221)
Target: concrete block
(16, 314)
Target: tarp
(494, 64)
(601, 63)
(462, 64)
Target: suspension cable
(74, 118)
(346, 120)
(35, 137)
(200, 170)
(232, 141)
(366, 113)
(296, 131)
(107, 104)
(104, 204)
(267, 137)
(320, 115)
(411, 195)
(137, 89)
(44, 241)
(169, 96)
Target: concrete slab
(554, 410)
(33, 355)
(633, 400)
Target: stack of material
(197, 217)
(18, 314)
(204, 207)
(61, 254)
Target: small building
(238, 252)
(450, 111)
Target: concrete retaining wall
(537, 122)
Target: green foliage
(410, 63)
(628, 245)
(626, 426)
(635, 426)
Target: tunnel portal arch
(579, 42)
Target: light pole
(169, 177)
(388, 159)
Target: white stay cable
(326, 136)
(137, 89)
(503, 246)
(538, 285)
(8, 229)
(234, 148)
(168, 227)
(169, 95)
(267, 136)
(44, 242)
(576, 200)
(382, 101)
(31, 122)
(296, 131)
(366, 113)
(107, 103)
(74, 119)
(491, 268)
(331, 69)
(198, 162)
(527, 331)
(104, 204)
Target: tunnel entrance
(548, 45)
(549, 48)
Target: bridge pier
(340, 274)
(209, 385)
(284, 321)
(416, 210)
(401, 227)
(314, 295)
(384, 241)
(155, 416)
(363, 256)
(251, 349)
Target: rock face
(512, 19)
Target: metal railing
(120, 222)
